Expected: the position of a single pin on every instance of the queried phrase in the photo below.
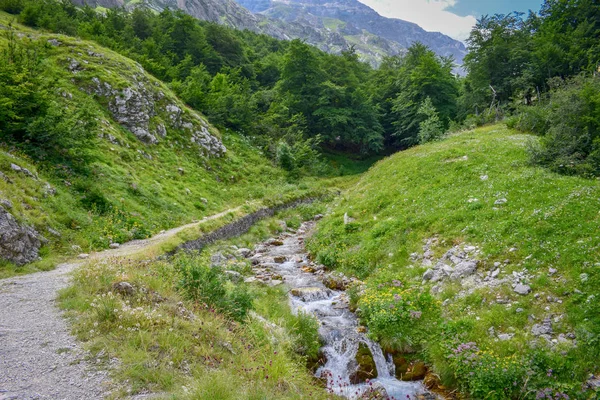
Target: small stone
(522, 289)
(428, 275)
(279, 259)
(250, 280)
(495, 273)
(7, 204)
(54, 42)
(244, 252)
(542, 329)
(505, 336)
(500, 202)
(519, 310)
(54, 232)
(181, 171)
(348, 219)
(318, 217)
(552, 271)
(484, 177)
(234, 276)
(275, 242)
(124, 288)
(83, 256)
(497, 264)
(114, 245)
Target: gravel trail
(39, 358)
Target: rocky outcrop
(149, 114)
(18, 244)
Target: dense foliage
(29, 114)
(290, 97)
(517, 62)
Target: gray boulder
(464, 269)
(18, 244)
(544, 328)
(522, 289)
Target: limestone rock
(124, 288)
(544, 328)
(464, 269)
(7, 204)
(522, 289)
(244, 252)
(18, 244)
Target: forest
(537, 71)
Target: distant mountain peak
(331, 25)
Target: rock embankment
(19, 244)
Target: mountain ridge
(331, 26)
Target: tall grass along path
(39, 358)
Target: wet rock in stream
(366, 368)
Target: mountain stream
(340, 331)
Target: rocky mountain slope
(330, 26)
(353, 20)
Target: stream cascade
(339, 329)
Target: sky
(451, 17)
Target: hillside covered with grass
(94, 151)
(476, 262)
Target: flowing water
(339, 327)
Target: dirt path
(39, 359)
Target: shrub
(406, 317)
(31, 119)
(202, 283)
(305, 327)
(571, 121)
(12, 6)
(486, 375)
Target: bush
(30, 118)
(12, 6)
(305, 328)
(202, 283)
(486, 375)
(405, 317)
(570, 123)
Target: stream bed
(285, 260)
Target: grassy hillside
(526, 229)
(129, 186)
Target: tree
(431, 128)
(421, 74)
